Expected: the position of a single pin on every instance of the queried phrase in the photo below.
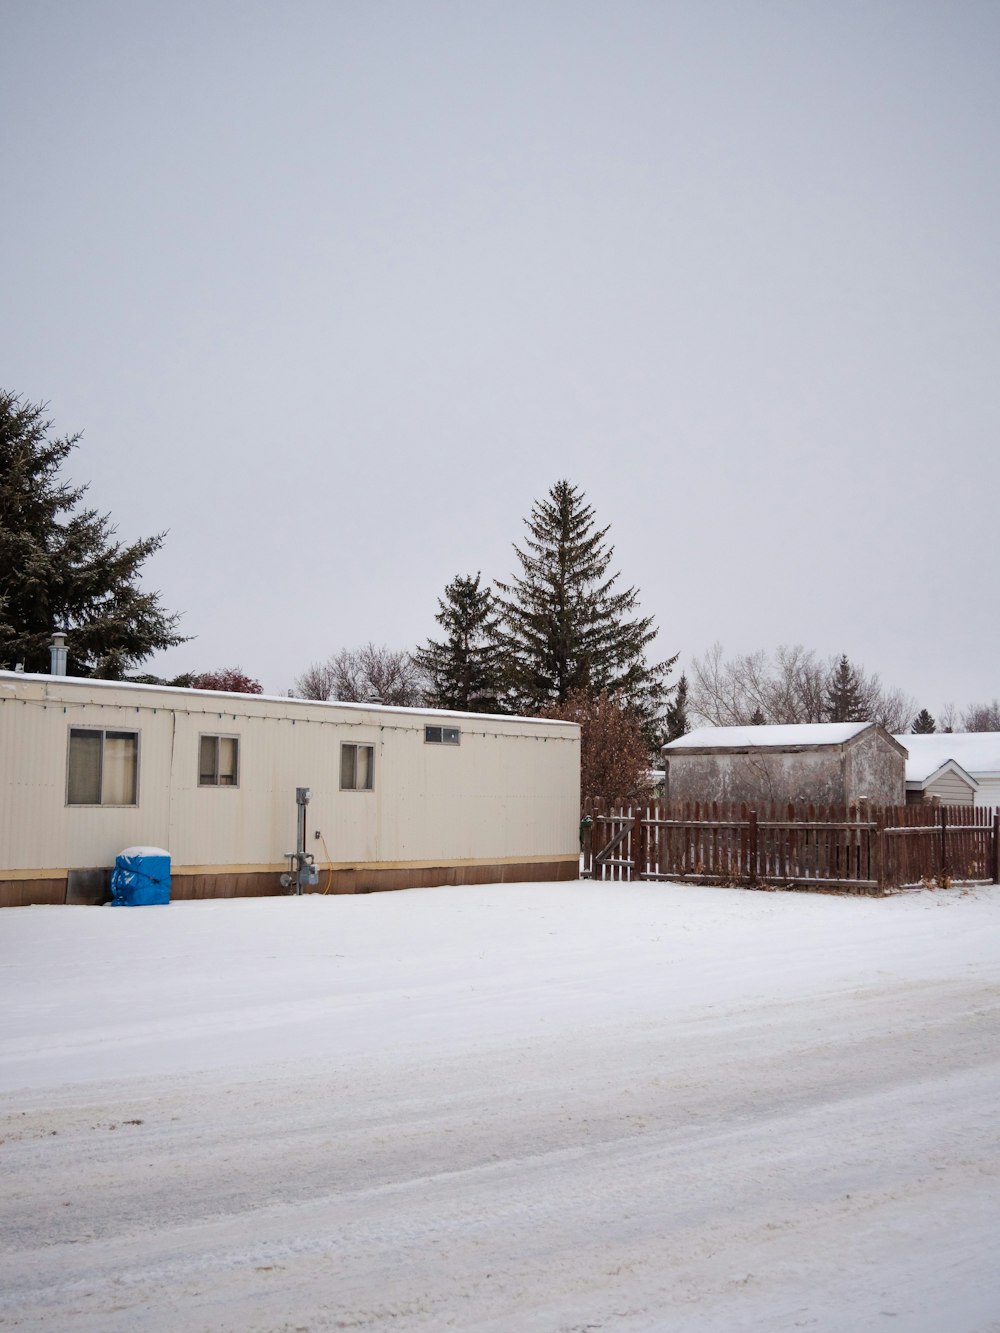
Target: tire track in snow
(629, 1160)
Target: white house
(398, 797)
(927, 780)
(976, 754)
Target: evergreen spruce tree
(60, 566)
(565, 627)
(757, 718)
(844, 702)
(465, 670)
(923, 724)
(676, 715)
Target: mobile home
(398, 797)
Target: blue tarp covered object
(141, 876)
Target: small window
(219, 761)
(103, 767)
(357, 767)
(441, 735)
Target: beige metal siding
(254, 823)
(37, 827)
(508, 789)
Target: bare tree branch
(789, 687)
(361, 675)
(982, 717)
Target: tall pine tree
(465, 671)
(677, 714)
(566, 627)
(923, 724)
(60, 566)
(844, 701)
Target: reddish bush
(232, 679)
(614, 761)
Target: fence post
(944, 841)
(638, 851)
(996, 846)
(879, 858)
(753, 847)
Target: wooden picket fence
(858, 848)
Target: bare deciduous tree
(799, 692)
(316, 682)
(948, 719)
(361, 675)
(732, 692)
(726, 693)
(982, 717)
(790, 687)
(894, 710)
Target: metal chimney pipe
(57, 654)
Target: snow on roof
(916, 777)
(292, 701)
(768, 737)
(977, 752)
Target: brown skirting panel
(363, 880)
(31, 892)
(258, 884)
(371, 880)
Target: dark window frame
(445, 735)
(103, 733)
(219, 736)
(354, 747)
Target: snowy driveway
(543, 1108)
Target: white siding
(951, 789)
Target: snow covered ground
(539, 1108)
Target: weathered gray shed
(826, 763)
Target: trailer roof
(285, 700)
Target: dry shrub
(614, 762)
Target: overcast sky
(336, 290)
